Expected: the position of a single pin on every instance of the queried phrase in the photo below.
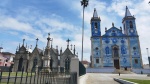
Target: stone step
(123, 71)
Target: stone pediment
(113, 31)
(22, 49)
(67, 52)
(37, 51)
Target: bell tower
(95, 24)
(129, 24)
(95, 40)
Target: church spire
(95, 15)
(127, 13)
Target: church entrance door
(116, 63)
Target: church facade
(118, 47)
(49, 57)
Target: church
(118, 48)
(52, 58)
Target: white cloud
(37, 26)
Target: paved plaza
(104, 78)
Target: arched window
(136, 61)
(115, 51)
(67, 64)
(20, 64)
(95, 25)
(51, 64)
(34, 63)
(131, 24)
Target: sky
(31, 19)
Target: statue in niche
(107, 50)
(123, 50)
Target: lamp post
(84, 3)
(148, 56)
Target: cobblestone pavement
(99, 78)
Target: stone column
(74, 67)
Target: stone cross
(48, 34)
(23, 41)
(36, 41)
(68, 42)
(113, 24)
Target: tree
(84, 3)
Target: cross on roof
(48, 34)
(23, 41)
(68, 41)
(37, 41)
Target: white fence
(100, 70)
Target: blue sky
(31, 19)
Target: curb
(124, 81)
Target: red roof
(84, 62)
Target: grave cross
(48, 34)
(68, 42)
(23, 41)
(36, 41)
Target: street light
(148, 57)
(84, 3)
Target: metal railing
(40, 77)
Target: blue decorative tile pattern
(116, 43)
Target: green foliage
(138, 81)
(6, 83)
(18, 74)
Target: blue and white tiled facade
(118, 47)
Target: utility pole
(84, 3)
